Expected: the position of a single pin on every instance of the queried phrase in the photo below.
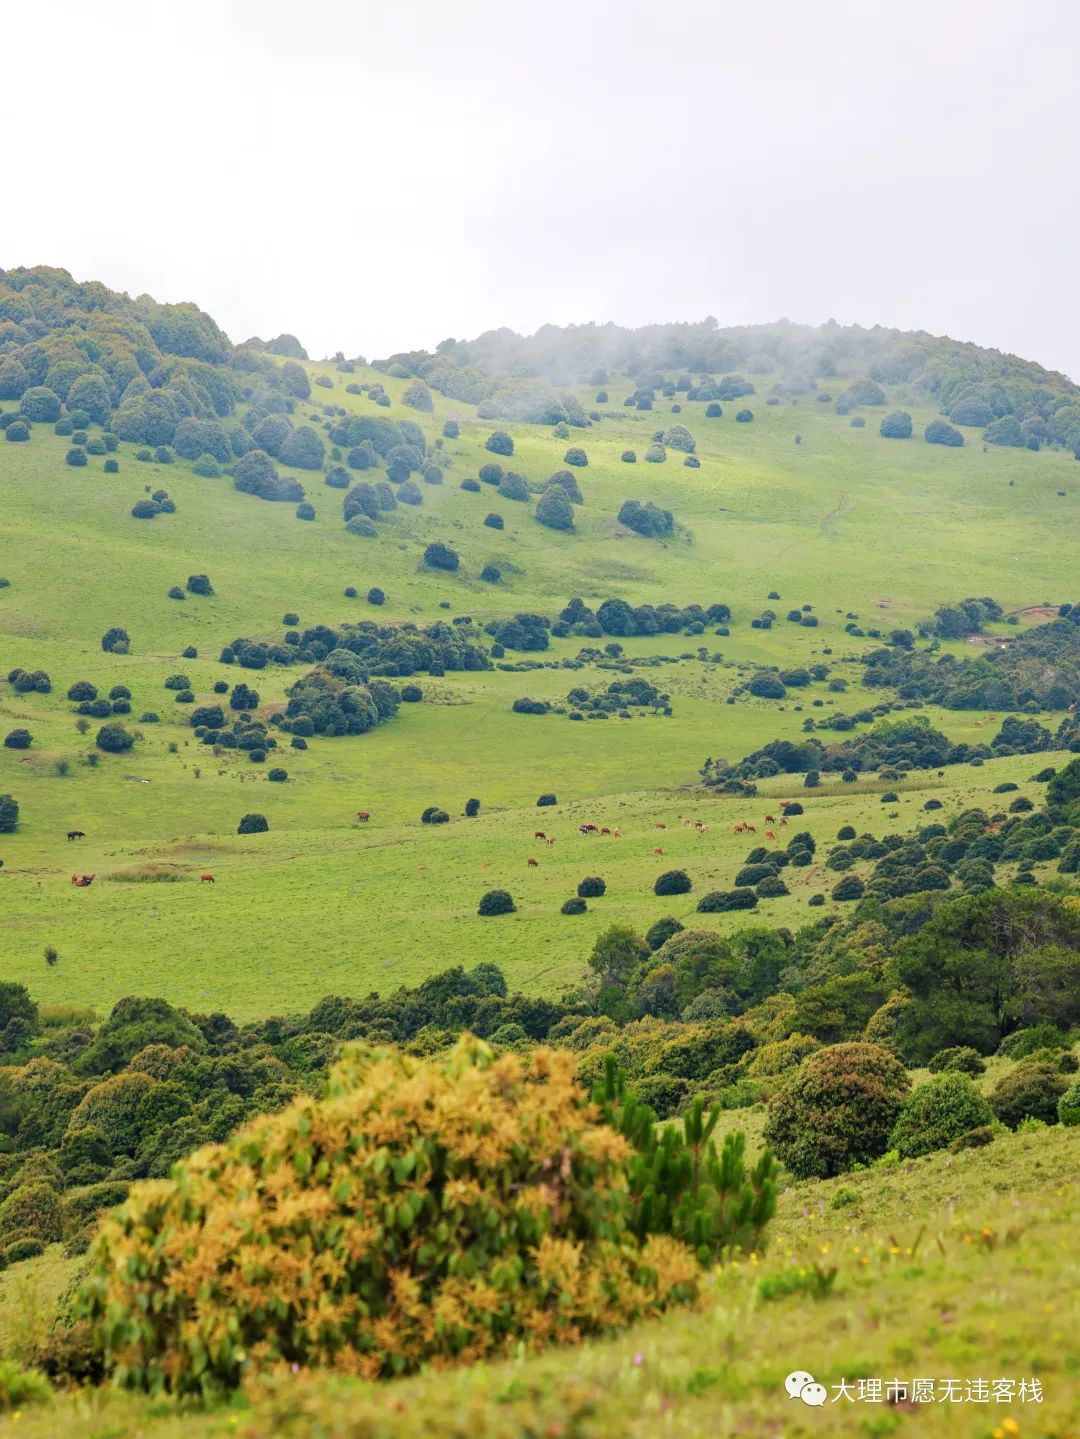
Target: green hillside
(687, 714)
(797, 503)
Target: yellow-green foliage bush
(20, 1387)
(31, 1212)
(780, 1055)
(426, 1211)
(113, 1106)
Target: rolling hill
(701, 696)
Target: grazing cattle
(783, 821)
(978, 724)
(550, 840)
(658, 850)
(605, 830)
(770, 819)
(83, 881)
(421, 866)
(363, 816)
(751, 829)
(539, 834)
(533, 863)
(770, 834)
(739, 828)
(207, 879)
(586, 829)
(617, 833)
(941, 774)
(76, 834)
(658, 825)
(486, 864)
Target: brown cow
(658, 850)
(605, 830)
(363, 816)
(658, 825)
(550, 840)
(207, 879)
(83, 881)
(533, 863)
(539, 834)
(770, 819)
(770, 834)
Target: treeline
(1038, 671)
(972, 385)
(76, 355)
(891, 748)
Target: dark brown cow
(207, 879)
(76, 834)
(363, 816)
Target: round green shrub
(938, 1112)
(1030, 1091)
(496, 901)
(838, 1110)
(672, 881)
(959, 1058)
(1069, 1106)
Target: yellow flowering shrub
(426, 1211)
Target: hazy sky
(379, 176)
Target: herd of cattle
(84, 881)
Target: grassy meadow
(843, 520)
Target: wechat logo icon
(800, 1385)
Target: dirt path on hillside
(827, 521)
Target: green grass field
(845, 520)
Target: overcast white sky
(376, 177)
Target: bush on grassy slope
(423, 1212)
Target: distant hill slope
(972, 385)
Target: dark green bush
(838, 1110)
(496, 901)
(673, 881)
(1030, 1091)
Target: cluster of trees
(85, 1109)
(1038, 671)
(76, 355)
(336, 698)
(381, 650)
(617, 617)
(968, 617)
(646, 519)
(519, 377)
(618, 698)
(907, 743)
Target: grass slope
(948, 1267)
(844, 520)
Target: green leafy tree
(838, 1110)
